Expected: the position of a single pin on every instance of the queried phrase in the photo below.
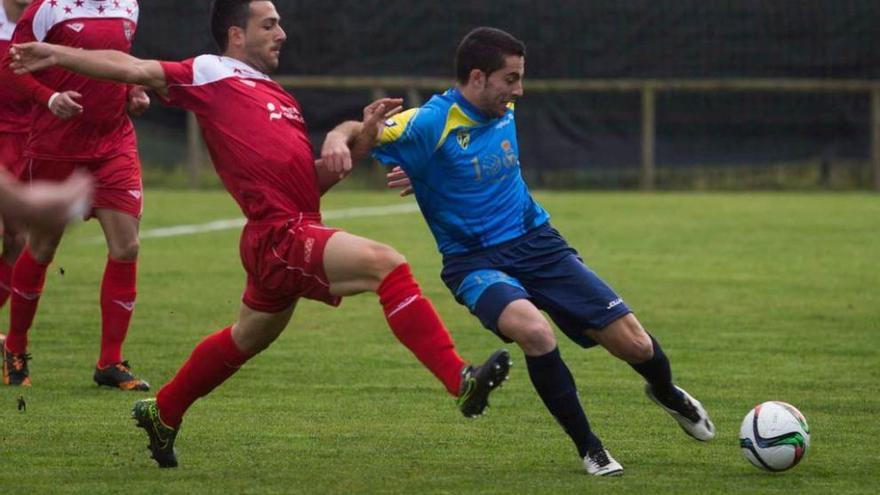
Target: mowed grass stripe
(754, 296)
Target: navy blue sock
(555, 386)
(658, 374)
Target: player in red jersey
(79, 123)
(14, 120)
(256, 136)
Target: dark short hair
(485, 48)
(224, 15)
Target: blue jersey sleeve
(409, 139)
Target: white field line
(237, 223)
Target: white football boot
(600, 463)
(694, 419)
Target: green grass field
(754, 297)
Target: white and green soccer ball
(774, 436)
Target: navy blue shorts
(539, 266)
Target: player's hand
(138, 101)
(375, 115)
(31, 57)
(397, 179)
(335, 154)
(64, 105)
(50, 206)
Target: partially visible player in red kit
(46, 205)
(256, 135)
(15, 110)
(80, 123)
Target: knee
(382, 260)
(252, 340)
(13, 241)
(637, 348)
(125, 251)
(43, 251)
(535, 337)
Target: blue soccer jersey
(465, 172)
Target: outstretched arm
(351, 141)
(110, 65)
(336, 156)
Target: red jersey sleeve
(183, 88)
(25, 84)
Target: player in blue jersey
(501, 257)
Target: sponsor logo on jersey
(507, 119)
(615, 302)
(273, 115)
(76, 26)
(127, 29)
(134, 193)
(277, 112)
(510, 159)
(293, 114)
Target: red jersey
(255, 133)
(103, 130)
(15, 107)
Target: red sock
(118, 292)
(214, 359)
(417, 325)
(28, 277)
(5, 281)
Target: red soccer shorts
(284, 261)
(12, 152)
(118, 184)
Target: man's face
(502, 86)
(263, 37)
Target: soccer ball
(774, 436)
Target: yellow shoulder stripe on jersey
(455, 118)
(395, 126)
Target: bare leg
(354, 264)
(626, 339)
(522, 322)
